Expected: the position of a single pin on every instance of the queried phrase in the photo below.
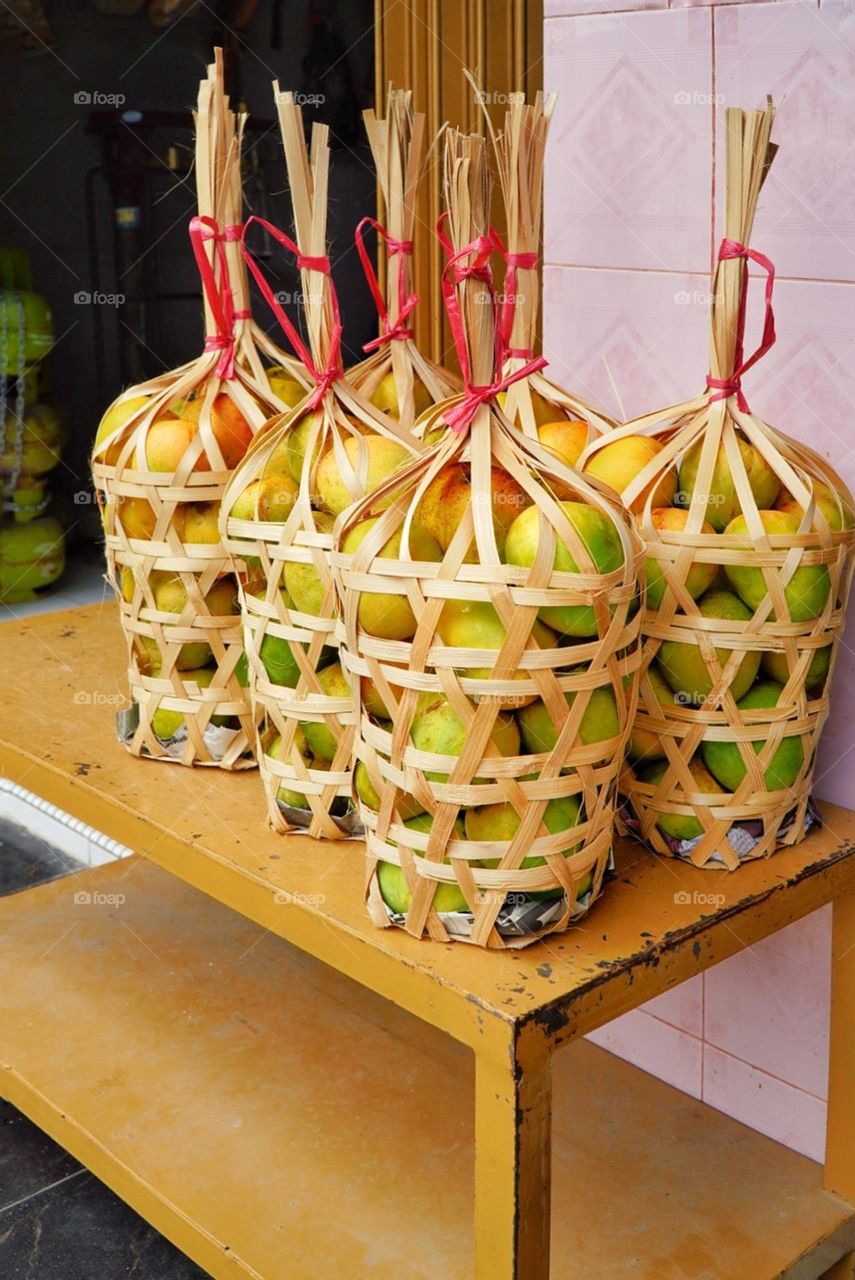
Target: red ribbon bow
(217, 286)
(407, 303)
(733, 385)
(459, 417)
(323, 378)
(513, 263)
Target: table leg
(840, 1137)
(842, 1270)
(513, 1170)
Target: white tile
(567, 8)
(626, 341)
(681, 1007)
(804, 56)
(44, 827)
(768, 1005)
(629, 164)
(779, 1110)
(98, 856)
(664, 1051)
(94, 592)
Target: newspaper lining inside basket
(520, 916)
(743, 837)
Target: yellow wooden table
(287, 1093)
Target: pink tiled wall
(633, 218)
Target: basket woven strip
(261, 342)
(299, 791)
(719, 423)
(158, 641)
(398, 146)
(487, 766)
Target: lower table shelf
(277, 1121)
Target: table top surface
(657, 922)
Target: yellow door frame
(426, 45)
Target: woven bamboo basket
(747, 582)
(487, 754)
(396, 376)
(178, 598)
(312, 462)
(286, 376)
(562, 421)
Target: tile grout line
(725, 1053)
(683, 1031)
(702, 275)
(643, 271)
(35, 1194)
(770, 1075)
(667, 6)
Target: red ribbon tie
(323, 378)
(406, 303)
(513, 262)
(459, 418)
(214, 272)
(725, 387)
(473, 263)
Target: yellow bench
(287, 1093)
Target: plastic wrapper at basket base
(748, 577)
(450, 744)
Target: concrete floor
(57, 1222)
